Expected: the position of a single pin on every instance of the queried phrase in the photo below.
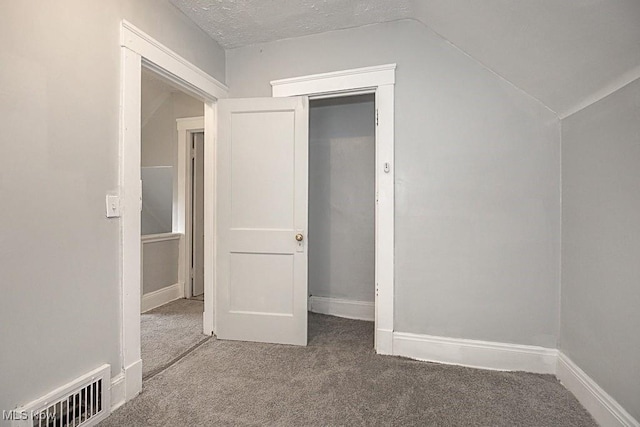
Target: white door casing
(138, 50)
(262, 199)
(183, 217)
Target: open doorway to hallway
(172, 223)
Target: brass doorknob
(299, 237)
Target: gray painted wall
(342, 198)
(161, 106)
(156, 216)
(601, 242)
(159, 265)
(159, 134)
(477, 180)
(59, 99)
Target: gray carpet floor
(169, 331)
(339, 380)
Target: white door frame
(182, 212)
(381, 81)
(138, 50)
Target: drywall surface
(159, 265)
(59, 257)
(565, 53)
(601, 243)
(477, 179)
(156, 216)
(161, 106)
(342, 198)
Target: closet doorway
(341, 233)
(378, 80)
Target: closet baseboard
(359, 310)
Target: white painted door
(197, 209)
(262, 189)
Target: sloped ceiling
(564, 53)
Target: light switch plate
(113, 206)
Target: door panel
(273, 275)
(262, 186)
(256, 202)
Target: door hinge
(377, 117)
(193, 153)
(192, 273)
(377, 289)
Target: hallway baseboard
(161, 297)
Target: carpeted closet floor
(339, 380)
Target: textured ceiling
(235, 23)
(564, 53)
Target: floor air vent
(84, 402)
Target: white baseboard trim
(475, 354)
(161, 297)
(604, 408)
(384, 341)
(126, 385)
(118, 392)
(133, 379)
(360, 310)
